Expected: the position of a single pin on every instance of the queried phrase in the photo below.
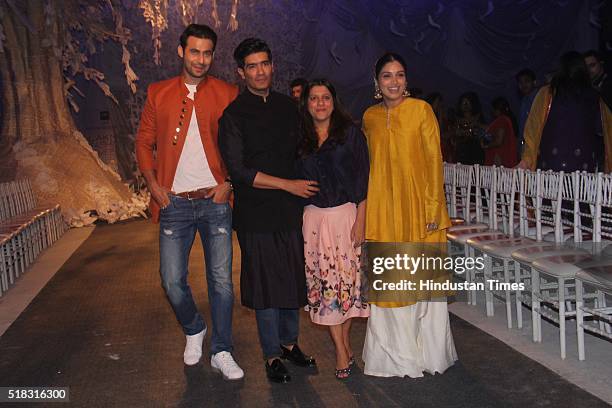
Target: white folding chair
(485, 196)
(553, 276)
(596, 276)
(450, 189)
(598, 279)
(465, 205)
(504, 211)
(535, 217)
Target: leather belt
(196, 194)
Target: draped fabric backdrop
(47, 47)
(451, 46)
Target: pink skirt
(333, 265)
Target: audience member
(569, 127)
(500, 148)
(600, 80)
(297, 87)
(469, 130)
(526, 82)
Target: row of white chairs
(545, 230)
(26, 229)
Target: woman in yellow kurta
(405, 203)
(536, 121)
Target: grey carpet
(102, 327)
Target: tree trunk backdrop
(39, 139)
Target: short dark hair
(248, 47)
(385, 59)
(593, 53)
(298, 82)
(199, 31)
(525, 72)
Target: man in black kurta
(258, 136)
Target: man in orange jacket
(190, 192)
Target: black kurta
(262, 135)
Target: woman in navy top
(333, 152)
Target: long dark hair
(501, 104)
(572, 79)
(339, 122)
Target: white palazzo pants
(409, 340)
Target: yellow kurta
(406, 185)
(537, 119)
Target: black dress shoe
(298, 358)
(277, 372)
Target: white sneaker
(224, 363)
(193, 348)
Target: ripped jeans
(178, 225)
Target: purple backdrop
(450, 46)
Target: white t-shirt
(192, 172)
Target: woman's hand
(358, 232)
(432, 226)
(358, 229)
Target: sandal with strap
(343, 373)
(351, 361)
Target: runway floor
(103, 327)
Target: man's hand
(160, 195)
(220, 193)
(301, 188)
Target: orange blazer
(165, 118)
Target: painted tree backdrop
(69, 68)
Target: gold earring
(377, 92)
(406, 92)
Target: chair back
(506, 191)
(485, 195)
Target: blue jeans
(276, 327)
(178, 225)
